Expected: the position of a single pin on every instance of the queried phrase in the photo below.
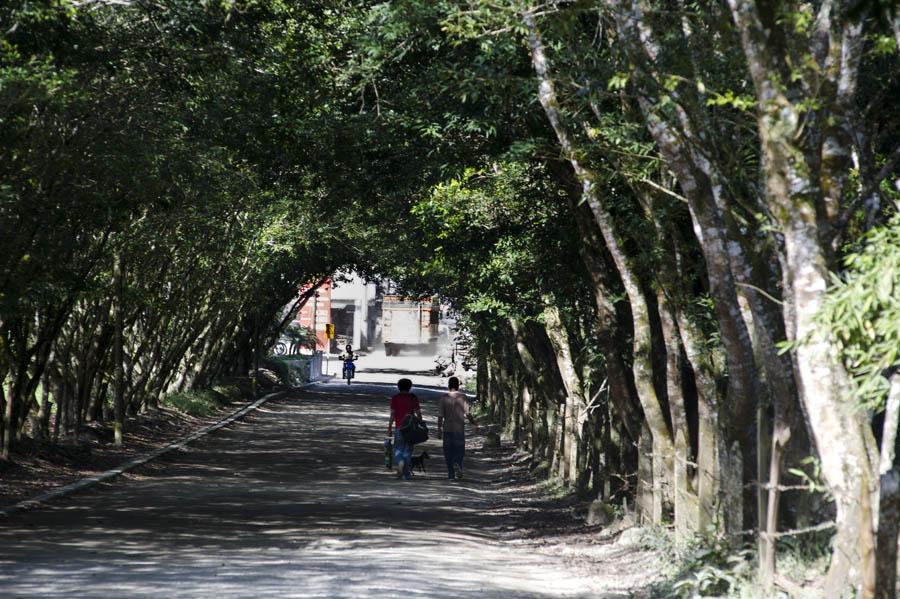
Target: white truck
(408, 323)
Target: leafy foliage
(863, 311)
(160, 166)
(171, 173)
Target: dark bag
(413, 429)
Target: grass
(203, 402)
(804, 559)
(553, 488)
(709, 567)
(702, 566)
(229, 392)
(479, 410)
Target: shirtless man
(453, 411)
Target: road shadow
(293, 501)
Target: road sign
(329, 331)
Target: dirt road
(293, 502)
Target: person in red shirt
(402, 404)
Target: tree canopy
(670, 227)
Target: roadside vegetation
(157, 214)
(670, 228)
(203, 402)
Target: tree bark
(796, 202)
(888, 528)
(610, 337)
(8, 418)
(118, 355)
(699, 189)
(642, 344)
(575, 400)
(889, 430)
(684, 493)
(888, 510)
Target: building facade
(316, 313)
(348, 302)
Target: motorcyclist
(348, 358)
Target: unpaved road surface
(292, 502)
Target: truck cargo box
(408, 323)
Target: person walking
(451, 427)
(402, 404)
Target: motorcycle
(349, 370)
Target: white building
(353, 307)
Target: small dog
(418, 461)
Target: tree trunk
(888, 510)
(118, 356)
(889, 430)
(823, 382)
(796, 201)
(611, 342)
(699, 189)
(44, 411)
(867, 543)
(575, 400)
(714, 493)
(888, 528)
(684, 494)
(8, 420)
(516, 415)
(560, 455)
(767, 551)
(642, 343)
(528, 418)
(698, 504)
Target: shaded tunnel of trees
(671, 229)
